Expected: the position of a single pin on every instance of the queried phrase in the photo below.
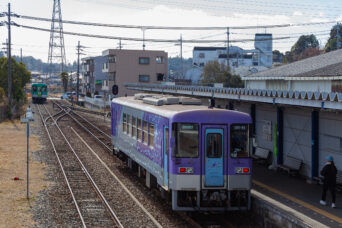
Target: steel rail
(92, 124)
(112, 213)
(87, 130)
(62, 169)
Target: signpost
(28, 118)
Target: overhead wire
(149, 27)
(146, 39)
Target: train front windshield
(186, 140)
(239, 140)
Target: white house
(322, 73)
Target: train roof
(166, 110)
(39, 84)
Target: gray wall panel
(297, 136)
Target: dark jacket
(329, 172)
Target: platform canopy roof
(322, 67)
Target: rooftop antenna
(56, 44)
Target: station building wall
(330, 137)
(297, 137)
(297, 132)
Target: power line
(149, 40)
(148, 27)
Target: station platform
(298, 196)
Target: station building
(296, 109)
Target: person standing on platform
(329, 172)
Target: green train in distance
(39, 92)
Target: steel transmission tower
(56, 44)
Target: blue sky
(168, 13)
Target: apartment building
(134, 66)
(94, 78)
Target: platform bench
(261, 154)
(291, 165)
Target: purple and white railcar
(199, 155)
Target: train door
(166, 157)
(214, 157)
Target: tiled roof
(329, 64)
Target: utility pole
(21, 55)
(79, 49)
(227, 48)
(9, 62)
(120, 46)
(143, 30)
(181, 54)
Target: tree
(214, 72)
(20, 76)
(331, 44)
(65, 78)
(305, 47)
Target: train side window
(129, 125)
(134, 126)
(139, 129)
(151, 135)
(144, 132)
(239, 140)
(124, 122)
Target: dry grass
(14, 207)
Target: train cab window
(39, 89)
(139, 129)
(34, 88)
(186, 140)
(129, 125)
(124, 122)
(134, 127)
(239, 140)
(214, 145)
(151, 134)
(44, 88)
(144, 132)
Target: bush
(96, 93)
(2, 94)
(88, 94)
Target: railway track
(92, 207)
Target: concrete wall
(128, 69)
(256, 84)
(316, 86)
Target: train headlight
(242, 170)
(186, 170)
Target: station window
(144, 132)
(129, 125)
(134, 126)
(139, 129)
(124, 122)
(239, 140)
(151, 134)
